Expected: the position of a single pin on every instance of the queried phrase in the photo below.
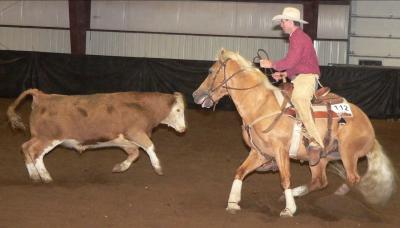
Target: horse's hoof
(233, 208)
(286, 213)
(342, 190)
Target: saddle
(322, 96)
(322, 108)
(322, 101)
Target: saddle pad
(296, 138)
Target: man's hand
(265, 63)
(279, 75)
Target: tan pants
(303, 92)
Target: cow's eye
(178, 110)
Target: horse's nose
(195, 94)
(198, 95)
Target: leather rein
(223, 84)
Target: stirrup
(314, 154)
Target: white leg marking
(154, 160)
(44, 174)
(300, 190)
(297, 192)
(290, 204)
(33, 173)
(235, 196)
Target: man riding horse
(302, 67)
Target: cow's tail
(379, 182)
(14, 119)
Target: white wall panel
(375, 47)
(333, 21)
(331, 52)
(200, 47)
(375, 31)
(375, 27)
(190, 17)
(35, 13)
(30, 39)
(376, 8)
(177, 46)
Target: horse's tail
(14, 119)
(379, 182)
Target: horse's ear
(222, 51)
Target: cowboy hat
(290, 13)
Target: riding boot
(314, 151)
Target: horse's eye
(178, 110)
(210, 71)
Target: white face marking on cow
(176, 117)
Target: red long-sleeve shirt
(301, 57)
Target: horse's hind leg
(34, 151)
(319, 179)
(348, 153)
(252, 162)
(133, 154)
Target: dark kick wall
(375, 90)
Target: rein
(278, 115)
(224, 83)
(226, 79)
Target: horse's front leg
(283, 161)
(252, 162)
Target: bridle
(224, 83)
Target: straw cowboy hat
(290, 13)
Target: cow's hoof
(36, 180)
(233, 208)
(119, 168)
(47, 181)
(159, 171)
(286, 213)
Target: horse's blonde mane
(244, 63)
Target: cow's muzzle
(203, 98)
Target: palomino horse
(268, 133)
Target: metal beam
(79, 23)
(310, 14)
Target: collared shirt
(301, 57)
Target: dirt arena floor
(198, 172)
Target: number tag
(342, 108)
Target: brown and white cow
(124, 120)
